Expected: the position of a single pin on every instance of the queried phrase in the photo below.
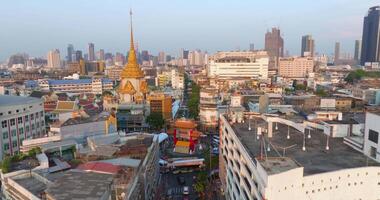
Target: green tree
(155, 120)
(193, 103)
(6, 165)
(201, 184)
(321, 93)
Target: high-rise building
(337, 52)
(100, 54)
(161, 57)
(358, 50)
(77, 56)
(371, 36)
(274, 45)
(251, 47)
(307, 48)
(91, 51)
(54, 59)
(70, 51)
(119, 59)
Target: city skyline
(177, 25)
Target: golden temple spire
(132, 69)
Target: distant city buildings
(53, 59)
(371, 36)
(243, 64)
(251, 47)
(70, 52)
(307, 47)
(95, 85)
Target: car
(186, 190)
(181, 180)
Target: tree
(193, 102)
(201, 184)
(321, 93)
(155, 120)
(6, 165)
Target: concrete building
(257, 162)
(91, 52)
(274, 45)
(245, 64)
(70, 51)
(336, 53)
(308, 45)
(53, 59)
(177, 79)
(358, 50)
(113, 72)
(95, 85)
(371, 135)
(160, 103)
(21, 118)
(208, 103)
(296, 67)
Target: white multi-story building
(95, 85)
(247, 64)
(21, 118)
(208, 102)
(371, 135)
(53, 59)
(177, 79)
(295, 67)
(260, 161)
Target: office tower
(307, 48)
(70, 51)
(108, 56)
(145, 55)
(185, 54)
(251, 47)
(85, 57)
(371, 36)
(54, 59)
(100, 54)
(336, 52)
(161, 57)
(196, 58)
(91, 51)
(168, 58)
(274, 45)
(119, 59)
(358, 46)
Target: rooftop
(316, 159)
(6, 100)
(80, 185)
(76, 81)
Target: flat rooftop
(316, 159)
(7, 100)
(80, 185)
(32, 184)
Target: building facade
(307, 48)
(371, 36)
(161, 103)
(54, 59)
(78, 86)
(274, 45)
(232, 64)
(296, 67)
(21, 118)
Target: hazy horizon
(41, 25)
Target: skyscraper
(70, 51)
(371, 36)
(336, 52)
(161, 57)
(91, 52)
(54, 59)
(251, 47)
(307, 48)
(274, 45)
(358, 46)
(145, 55)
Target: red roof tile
(100, 167)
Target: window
(19, 120)
(31, 117)
(4, 124)
(36, 114)
(6, 147)
(5, 135)
(13, 122)
(21, 130)
(373, 136)
(14, 144)
(41, 113)
(32, 126)
(26, 118)
(13, 132)
(373, 151)
(27, 128)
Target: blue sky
(36, 26)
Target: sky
(37, 26)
